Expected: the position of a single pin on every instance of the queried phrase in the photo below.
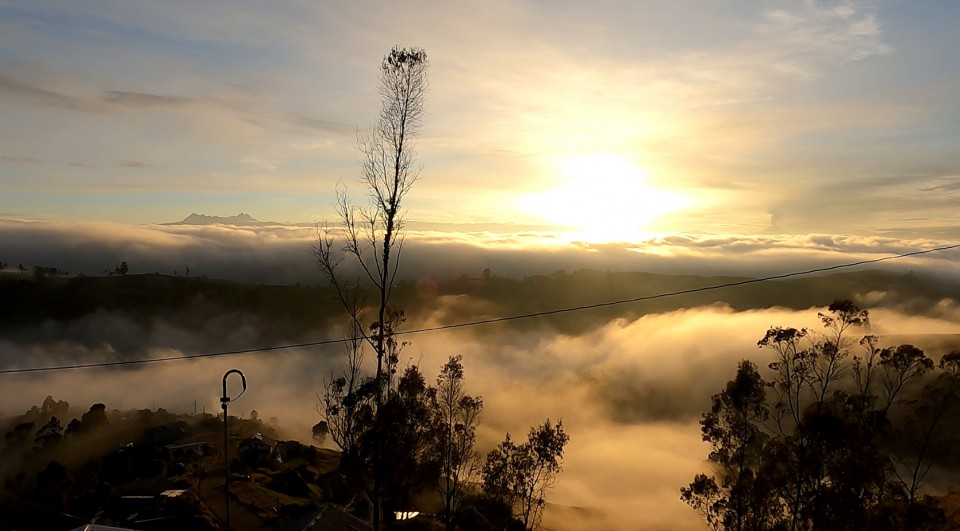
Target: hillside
(294, 311)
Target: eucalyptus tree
(457, 414)
(519, 475)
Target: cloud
(899, 205)
(141, 99)
(20, 91)
(952, 186)
(315, 123)
(20, 160)
(138, 164)
(845, 30)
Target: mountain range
(241, 219)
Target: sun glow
(602, 198)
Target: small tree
(520, 475)
(733, 499)
(457, 415)
(923, 433)
(344, 405)
(830, 353)
(901, 366)
(50, 433)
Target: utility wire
(491, 320)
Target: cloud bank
(282, 254)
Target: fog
(629, 392)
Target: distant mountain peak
(203, 219)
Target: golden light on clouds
(602, 198)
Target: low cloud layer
(282, 254)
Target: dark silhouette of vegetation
(42, 272)
(517, 476)
(734, 500)
(426, 433)
(841, 436)
(456, 415)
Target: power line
(492, 320)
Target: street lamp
(224, 400)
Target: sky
(607, 122)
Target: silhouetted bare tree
(371, 237)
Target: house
(255, 451)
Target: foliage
(50, 433)
(426, 433)
(733, 428)
(519, 475)
(456, 415)
(346, 405)
(834, 440)
(407, 434)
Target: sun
(602, 198)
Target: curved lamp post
(224, 400)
